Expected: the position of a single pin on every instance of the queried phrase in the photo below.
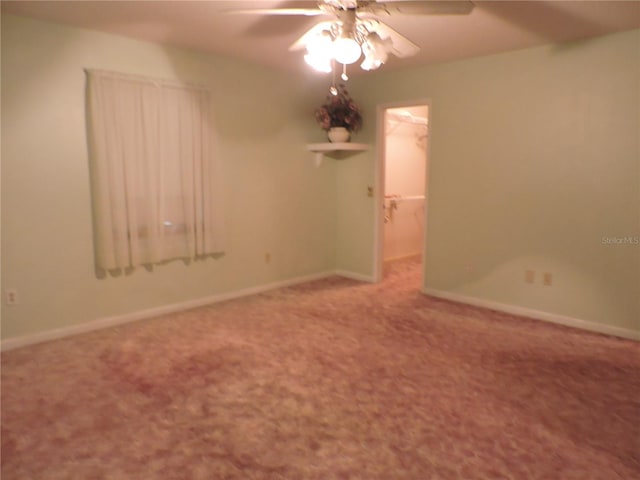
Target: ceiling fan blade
(307, 12)
(401, 46)
(424, 7)
(302, 42)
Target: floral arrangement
(339, 111)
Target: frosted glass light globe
(375, 51)
(321, 44)
(319, 52)
(318, 62)
(346, 50)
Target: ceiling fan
(355, 30)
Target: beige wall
(534, 159)
(277, 201)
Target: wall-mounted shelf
(335, 150)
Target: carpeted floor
(333, 379)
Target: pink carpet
(329, 380)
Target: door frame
(379, 179)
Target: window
(153, 172)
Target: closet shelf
(336, 150)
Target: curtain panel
(154, 177)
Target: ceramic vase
(338, 134)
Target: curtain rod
(404, 197)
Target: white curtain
(153, 173)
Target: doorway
(403, 141)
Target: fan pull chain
(344, 75)
(333, 90)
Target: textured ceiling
(493, 26)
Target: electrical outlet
(369, 191)
(529, 276)
(267, 258)
(11, 296)
(547, 279)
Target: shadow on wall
(101, 273)
(534, 17)
(243, 99)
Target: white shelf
(335, 150)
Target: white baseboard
(535, 314)
(12, 343)
(355, 276)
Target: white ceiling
(493, 26)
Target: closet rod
(403, 197)
(407, 118)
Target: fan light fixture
(346, 48)
(345, 41)
(356, 31)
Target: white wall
(534, 159)
(277, 201)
